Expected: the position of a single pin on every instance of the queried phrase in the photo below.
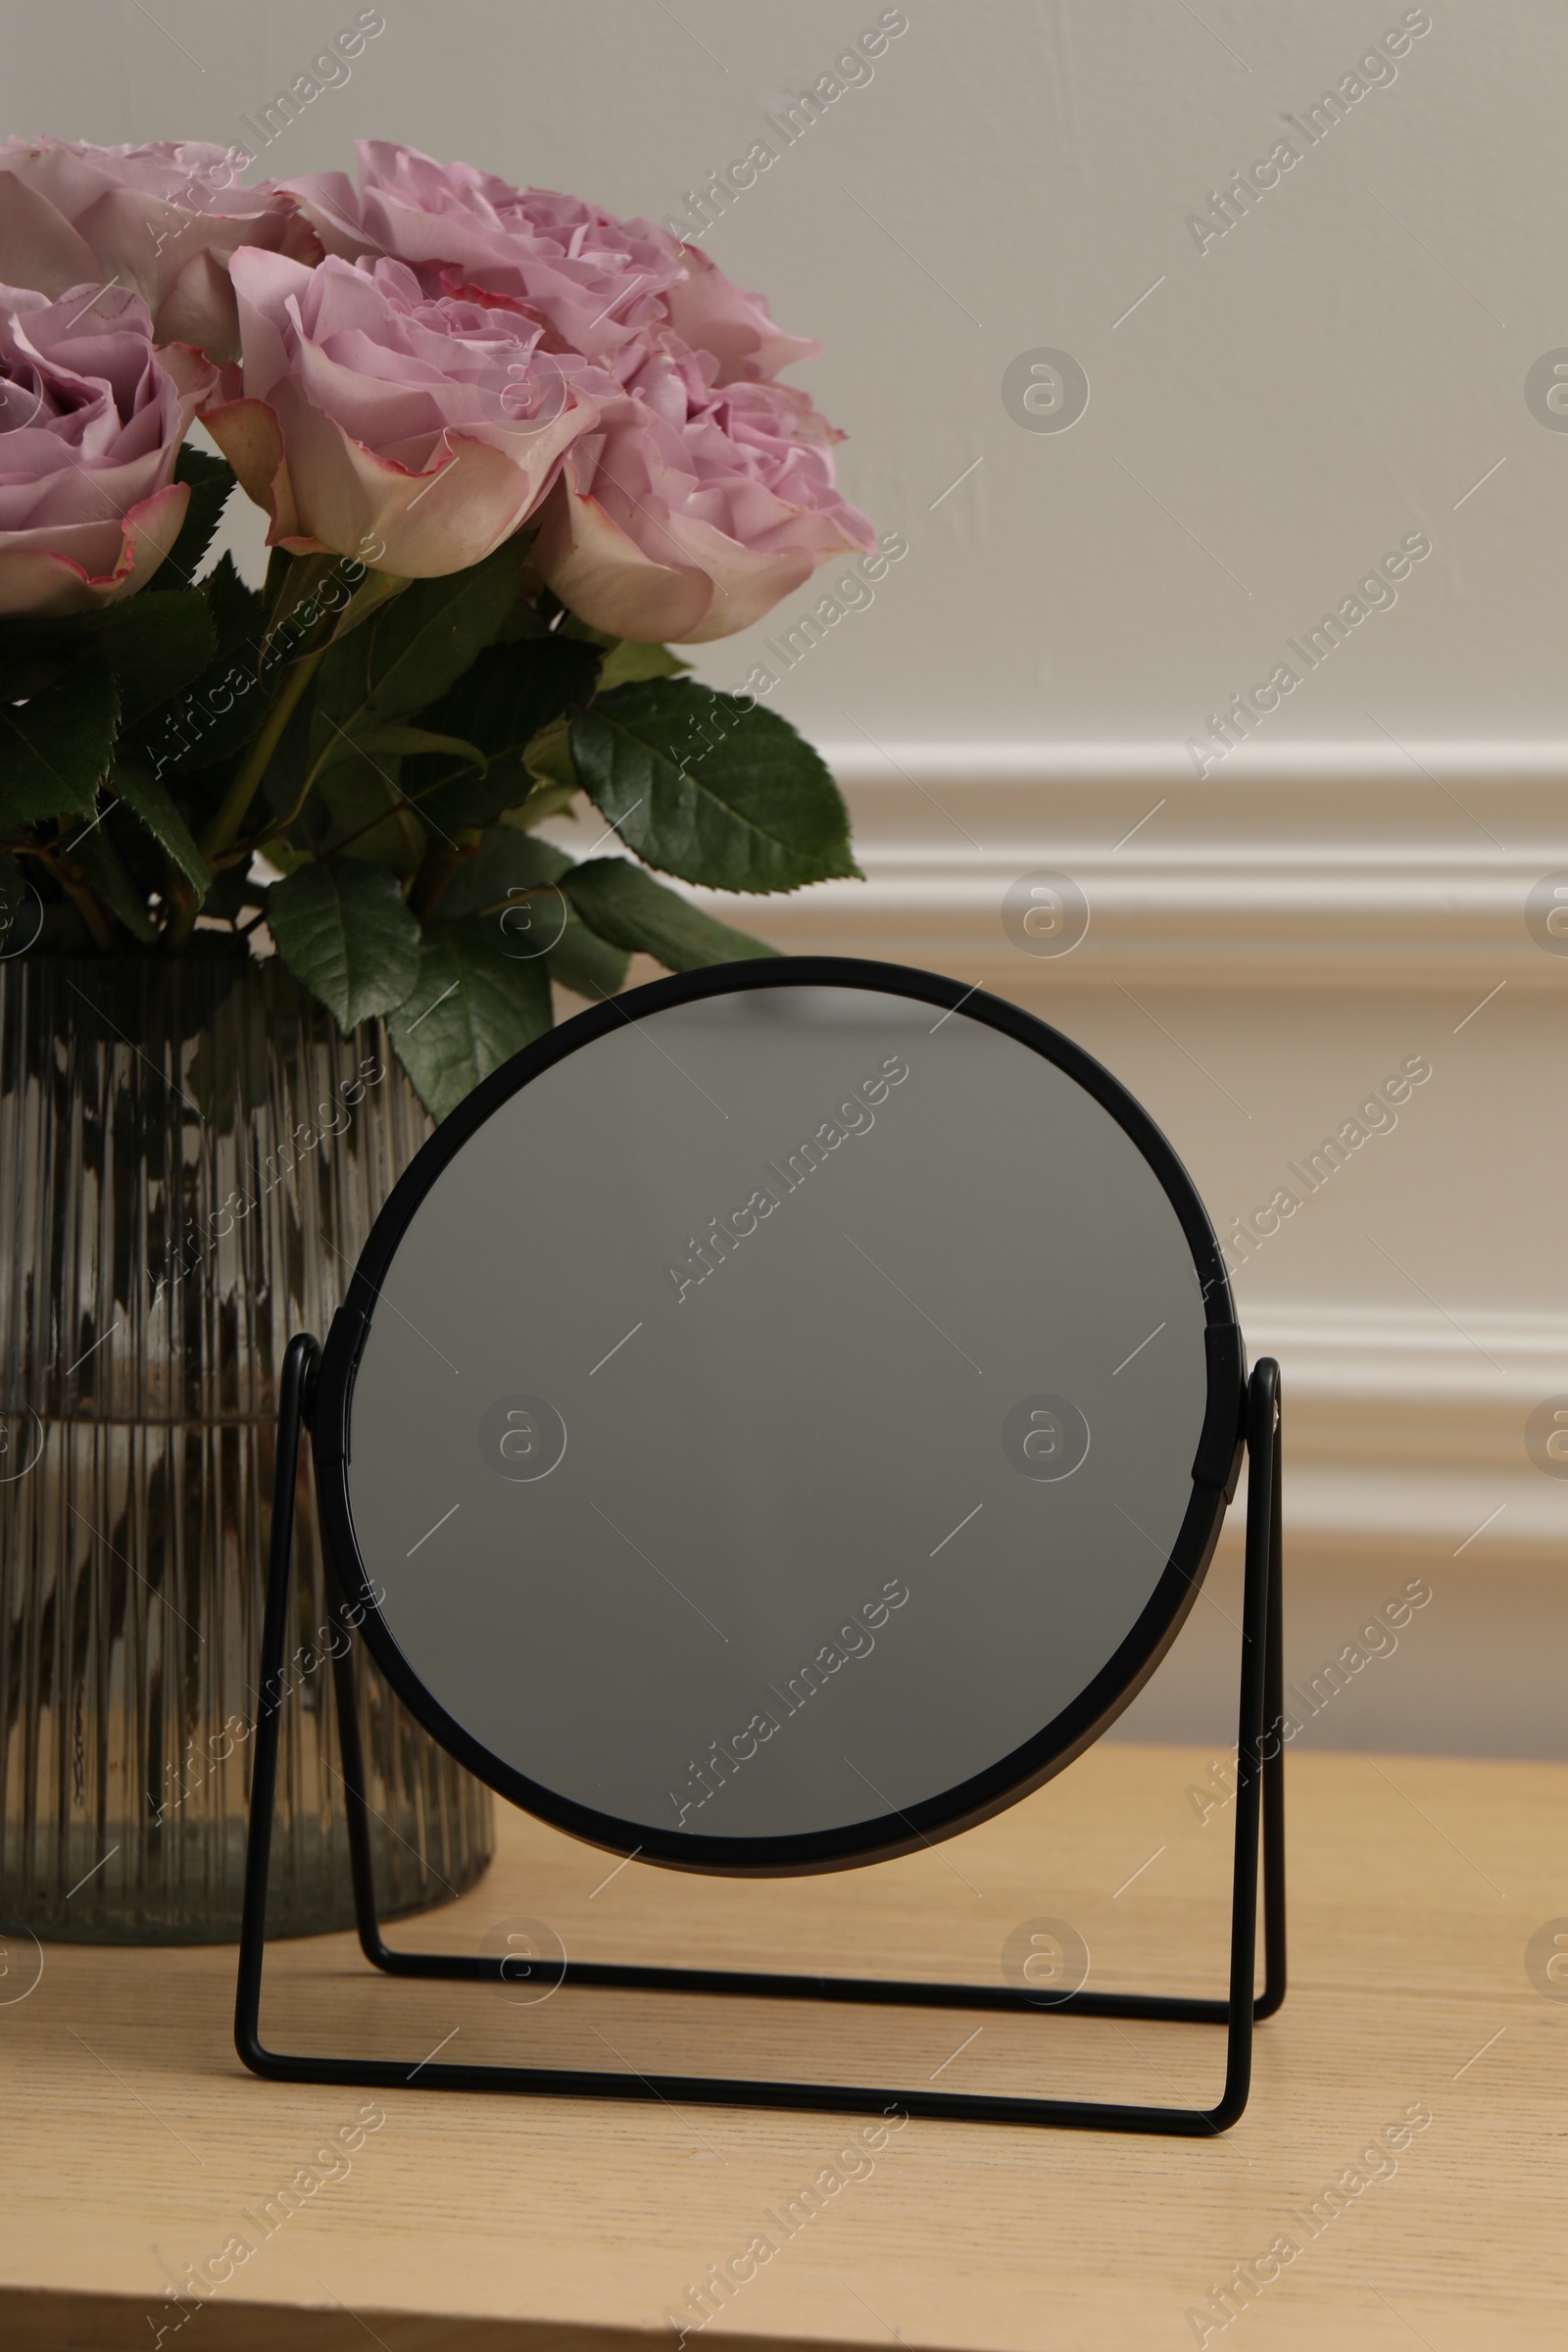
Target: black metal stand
(1259, 1814)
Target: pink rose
(591, 280)
(694, 506)
(163, 220)
(710, 314)
(596, 284)
(91, 419)
(416, 431)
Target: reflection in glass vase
(190, 1159)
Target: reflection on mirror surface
(778, 1411)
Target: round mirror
(782, 1416)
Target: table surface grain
(135, 2146)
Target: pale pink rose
(415, 431)
(694, 506)
(596, 284)
(91, 419)
(163, 220)
(710, 314)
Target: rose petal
(249, 434)
(143, 218)
(40, 248)
(44, 580)
(264, 285)
(199, 308)
(606, 578)
(88, 506)
(421, 525)
(711, 313)
(376, 414)
(747, 583)
(332, 208)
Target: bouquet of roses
(507, 446)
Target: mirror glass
(777, 1412)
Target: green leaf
(428, 636)
(378, 588)
(523, 621)
(489, 885)
(364, 802)
(419, 646)
(506, 888)
(211, 480)
(237, 610)
(30, 666)
(342, 928)
(545, 801)
(232, 893)
(505, 860)
(632, 911)
(156, 645)
(297, 588)
(509, 695)
(209, 724)
(631, 662)
(472, 1010)
(152, 800)
(500, 704)
(713, 788)
(409, 740)
(54, 750)
(586, 963)
(550, 762)
(105, 869)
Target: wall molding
(1404, 1439)
(1405, 1433)
(1323, 866)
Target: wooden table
(135, 2146)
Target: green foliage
(511, 694)
(156, 805)
(628, 662)
(360, 809)
(343, 929)
(499, 869)
(156, 646)
(360, 762)
(512, 881)
(208, 726)
(630, 910)
(55, 747)
(711, 789)
(419, 643)
(151, 647)
(210, 482)
(95, 853)
(472, 1007)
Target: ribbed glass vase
(190, 1158)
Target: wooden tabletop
(1416, 2073)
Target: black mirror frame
(1214, 1472)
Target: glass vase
(190, 1158)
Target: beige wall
(1346, 366)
